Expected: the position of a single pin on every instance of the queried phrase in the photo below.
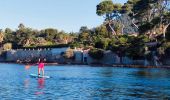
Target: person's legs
(42, 71)
(39, 71)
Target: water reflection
(41, 83)
(150, 73)
(106, 72)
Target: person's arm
(44, 61)
(36, 63)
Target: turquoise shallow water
(84, 83)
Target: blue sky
(67, 15)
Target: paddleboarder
(41, 66)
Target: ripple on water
(84, 83)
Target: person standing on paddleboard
(41, 66)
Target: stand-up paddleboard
(36, 76)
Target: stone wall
(81, 57)
(27, 55)
(111, 58)
(78, 56)
(33, 55)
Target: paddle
(27, 67)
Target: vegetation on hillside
(28, 37)
(134, 29)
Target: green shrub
(69, 54)
(96, 53)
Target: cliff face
(129, 27)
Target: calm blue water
(84, 83)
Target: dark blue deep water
(84, 83)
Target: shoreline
(96, 65)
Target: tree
(165, 23)
(151, 16)
(84, 35)
(96, 53)
(84, 29)
(102, 43)
(63, 38)
(112, 13)
(137, 47)
(8, 31)
(25, 37)
(1, 37)
(168, 34)
(40, 41)
(21, 26)
(101, 31)
(119, 45)
(10, 36)
(50, 34)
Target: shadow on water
(135, 84)
(149, 83)
(147, 94)
(151, 73)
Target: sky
(67, 15)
